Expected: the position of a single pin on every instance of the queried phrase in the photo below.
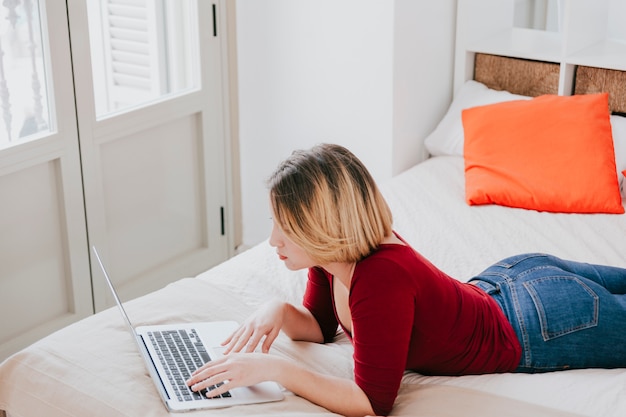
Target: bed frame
(534, 78)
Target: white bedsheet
(92, 369)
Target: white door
(44, 264)
(152, 135)
(112, 134)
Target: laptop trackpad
(217, 352)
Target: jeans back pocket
(564, 304)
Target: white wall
(344, 71)
(423, 74)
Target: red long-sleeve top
(408, 314)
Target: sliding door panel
(151, 127)
(154, 201)
(44, 269)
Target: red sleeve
(383, 310)
(318, 300)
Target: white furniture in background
(591, 33)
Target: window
(23, 93)
(141, 50)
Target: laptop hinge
(155, 374)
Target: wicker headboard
(534, 78)
(596, 80)
(517, 76)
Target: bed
(91, 368)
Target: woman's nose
(275, 240)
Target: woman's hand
(235, 370)
(339, 395)
(264, 324)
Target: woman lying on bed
(527, 313)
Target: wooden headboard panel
(591, 80)
(534, 78)
(518, 76)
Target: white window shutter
(134, 51)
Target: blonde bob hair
(326, 202)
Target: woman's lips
(281, 257)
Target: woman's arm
(338, 395)
(299, 324)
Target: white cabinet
(589, 33)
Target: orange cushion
(551, 153)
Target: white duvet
(92, 369)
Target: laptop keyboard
(181, 352)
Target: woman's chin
(291, 266)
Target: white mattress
(91, 368)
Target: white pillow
(447, 138)
(618, 127)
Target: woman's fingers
(232, 341)
(209, 372)
(214, 385)
(247, 338)
(239, 340)
(231, 337)
(265, 323)
(238, 369)
(257, 335)
(269, 339)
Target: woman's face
(292, 255)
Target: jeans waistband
(488, 286)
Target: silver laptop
(172, 352)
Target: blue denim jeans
(566, 314)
